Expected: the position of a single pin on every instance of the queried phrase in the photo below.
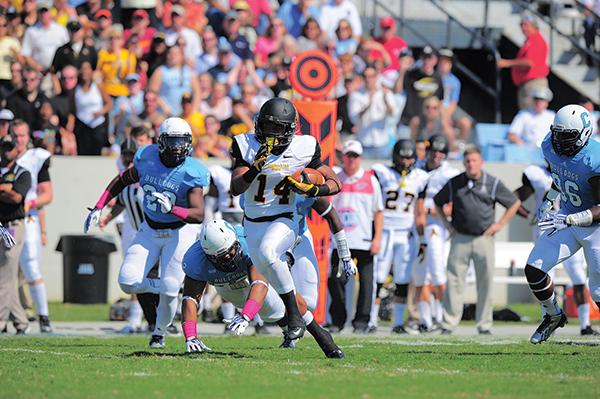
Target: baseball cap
(233, 14)
(241, 5)
(132, 77)
(129, 145)
(404, 52)
(141, 14)
(44, 5)
(447, 53)
(352, 147)
(6, 115)
(178, 10)
(73, 26)
(386, 22)
(427, 52)
(187, 97)
(542, 93)
(8, 142)
(103, 13)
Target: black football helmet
(277, 121)
(437, 142)
(404, 148)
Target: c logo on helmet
(585, 119)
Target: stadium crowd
(83, 78)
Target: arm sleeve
(423, 193)
(443, 196)
(504, 196)
(316, 162)
(236, 153)
(23, 183)
(44, 174)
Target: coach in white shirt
(334, 12)
(42, 39)
(531, 125)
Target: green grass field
(253, 367)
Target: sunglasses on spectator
(431, 107)
(3, 25)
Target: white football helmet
(174, 141)
(221, 245)
(571, 129)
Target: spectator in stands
(15, 83)
(213, 144)
(142, 29)
(63, 106)
(99, 28)
(128, 107)
(586, 103)
(154, 8)
(92, 104)
(156, 57)
(205, 82)
(25, 103)
(152, 115)
(239, 44)
(172, 80)
(218, 103)
(89, 11)
(10, 49)
(531, 125)
(195, 17)
(361, 206)
(345, 40)
(46, 136)
(261, 11)
(344, 123)
(28, 17)
(310, 35)
(393, 45)
(473, 194)
(421, 83)
(295, 15)
(271, 42)
(192, 116)
(42, 39)
(75, 51)
(452, 87)
(530, 69)
(115, 63)
(62, 12)
(179, 34)
(227, 60)
(6, 117)
(245, 18)
(281, 87)
(430, 122)
(591, 26)
(368, 110)
(334, 12)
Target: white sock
(40, 300)
(550, 306)
(308, 317)
(135, 314)
(438, 311)
(257, 320)
(399, 314)
(425, 313)
(167, 307)
(584, 315)
(374, 317)
(228, 310)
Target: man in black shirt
(75, 52)
(15, 181)
(26, 103)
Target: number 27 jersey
(269, 193)
(400, 194)
(572, 174)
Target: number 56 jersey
(572, 174)
(269, 194)
(400, 194)
(172, 182)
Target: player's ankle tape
(189, 329)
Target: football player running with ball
(173, 186)
(263, 164)
(220, 258)
(575, 169)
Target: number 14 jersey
(269, 193)
(400, 193)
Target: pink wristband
(189, 329)
(251, 308)
(33, 204)
(104, 198)
(180, 212)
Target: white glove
(553, 224)
(92, 219)
(7, 239)
(348, 266)
(195, 345)
(238, 324)
(164, 201)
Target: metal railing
(476, 36)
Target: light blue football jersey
(197, 266)
(572, 174)
(173, 182)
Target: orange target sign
(313, 74)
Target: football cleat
(548, 326)
(130, 330)
(261, 329)
(333, 329)
(173, 330)
(288, 343)
(589, 331)
(296, 328)
(403, 330)
(45, 326)
(335, 354)
(23, 331)
(157, 342)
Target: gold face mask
(270, 141)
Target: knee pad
(534, 275)
(169, 286)
(401, 290)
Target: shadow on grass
(233, 355)
(430, 352)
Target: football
(309, 175)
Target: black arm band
(250, 175)
(324, 190)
